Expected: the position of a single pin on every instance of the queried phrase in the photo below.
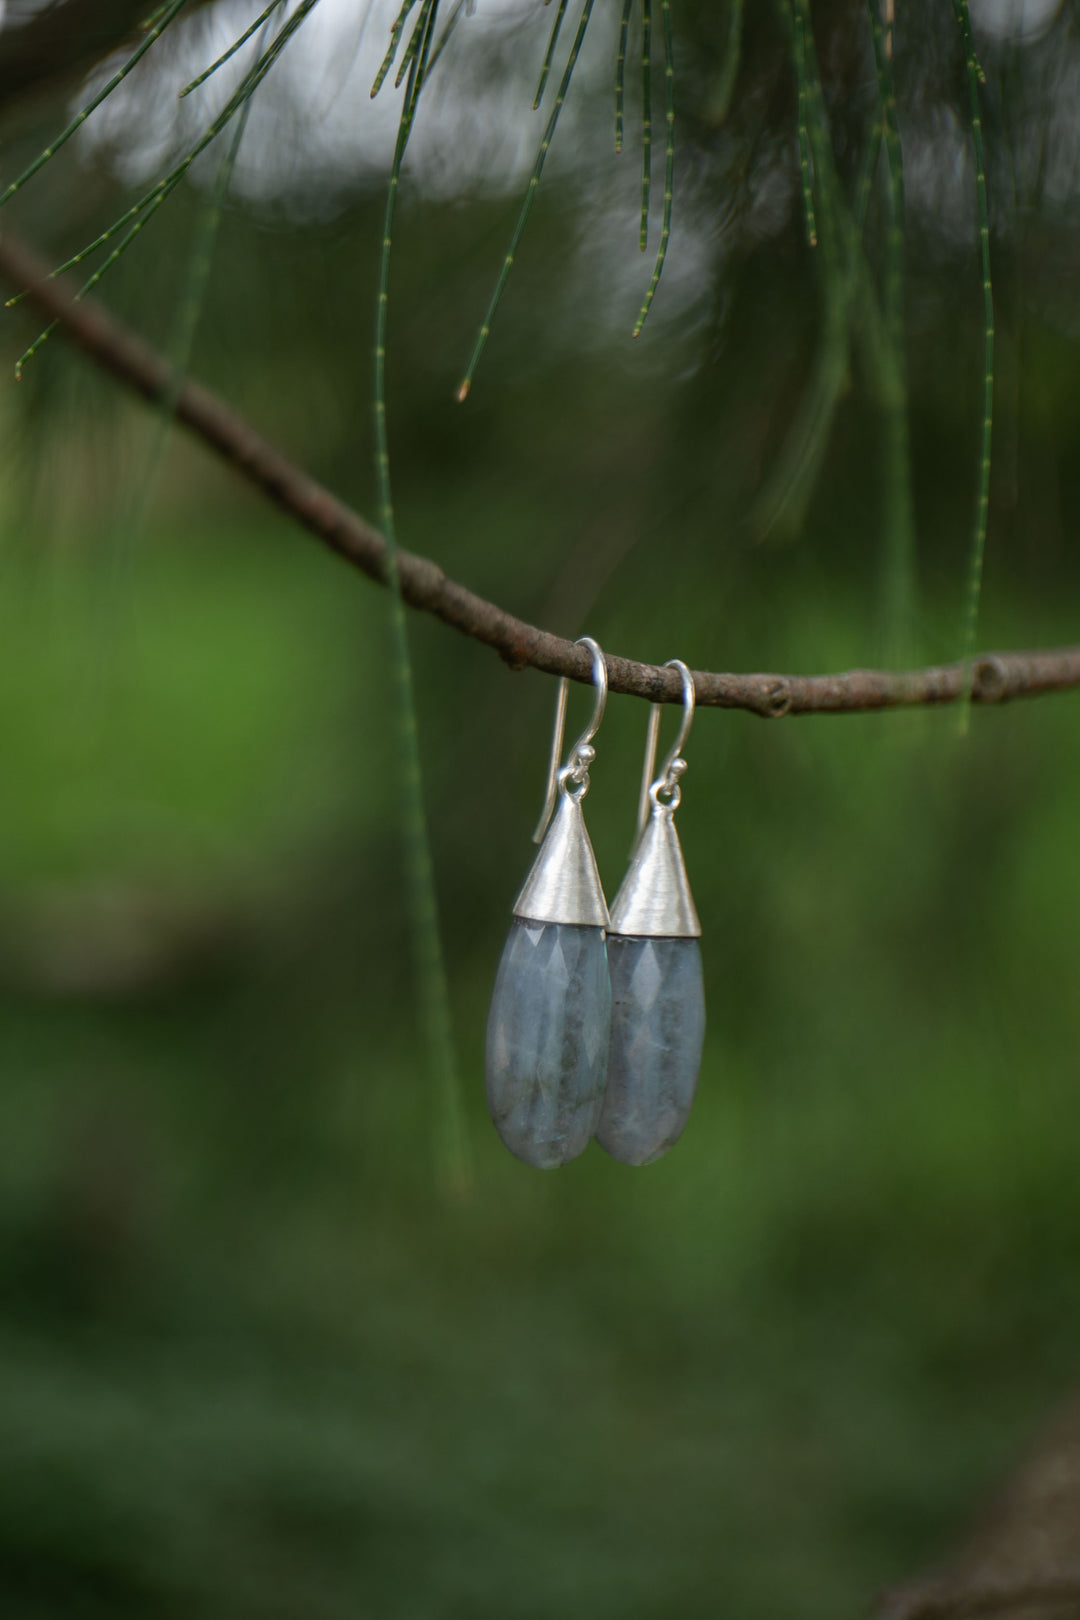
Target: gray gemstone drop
(657, 1032)
(547, 1040)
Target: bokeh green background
(256, 1360)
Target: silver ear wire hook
(582, 754)
(674, 764)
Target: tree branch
(1021, 1560)
(1030, 1595)
(994, 677)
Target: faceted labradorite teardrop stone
(657, 1031)
(547, 1040)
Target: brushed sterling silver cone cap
(564, 884)
(654, 900)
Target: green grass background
(255, 1363)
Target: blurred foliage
(251, 1363)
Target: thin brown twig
(992, 677)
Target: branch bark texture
(1022, 1560)
(992, 677)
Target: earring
(550, 1019)
(658, 999)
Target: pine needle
(840, 267)
(263, 17)
(142, 211)
(646, 120)
(156, 28)
(975, 77)
(444, 37)
(620, 73)
(721, 102)
(549, 53)
(669, 165)
(900, 586)
(395, 38)
(197, 280)
(452, 1144)
(804, 134)
(526, 206)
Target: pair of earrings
(597, 1020)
